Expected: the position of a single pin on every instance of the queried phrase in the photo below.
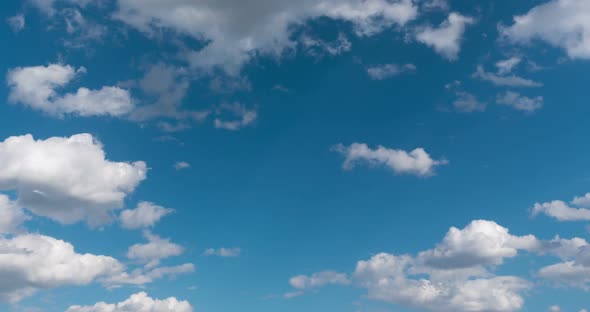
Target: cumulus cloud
(303, 283)
(446, 39)
(223, 252)
(561, 211)
(11, 216)
(31, 262)
(480, 243)
(417, 162)
(67, 179)
(146, 214)
(561, 23)
(384, 71)
(139, 302)
(154, 250)
(239, 116)
(505, 80)
(37, 87)
(234, 32)
(387, 278)
(520, 102)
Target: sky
(301, 155)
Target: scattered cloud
(180, 165)
(446, 39)
(520, 102)
(67, 179)
(561, 211)
(384, 71)
(223, 252)
(138, 302)
(416, 162)
(145, 215)
(561, 23)
(155, 250)
(234, 32)
(37, 86)
(239, 114)
(16, 23)
(506, 66)
(303, 283)
(505, 80)
(468, 103)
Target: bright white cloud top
(139, 302)
(67, 179)
(37, 87)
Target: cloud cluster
(446, 39)
(37, 87)
(139, 302)
(154, 250)
(416, 162)
(235, 32)
(146, 214)
(561, 23)
(67, 179)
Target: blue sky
(334, 155)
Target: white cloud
(239, 114)
(561, 23)
(37, 86)
(504, 80)
(48, 6)
(554, 308)
(139, 302)
(506, 66)
(237, 31)
(468, 103)
(520, 102)
(11, 216)
(318, 47)
(319, 279)
(180, 165)
(561, 211)
(16, 23)
(155, 250)
(67, 179)
(32, 262)
(223, 252)
(481, 243)
(582, 201)
(446, 39)
(386, 278)
(384, 71)
(146, 214)
(416, 162)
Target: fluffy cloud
(235, 31)
(520, 102)
(561, 211)
(480, 243)
(145, 215)
(416, 162)
(152, 252)
(180, 165)
(11, 216)
(37, 86)
(381, 72)
(31, 262)
(446, 39)
(505, 66)
(66, 179)
(223, 252)
(386, 277)
(239, 114)
(139, 302)
(561, 23)
(505, 80)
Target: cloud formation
(146, 214)
(37, 87)
(446, 39)
(67, 179)
(417, 162)
(139, 302)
